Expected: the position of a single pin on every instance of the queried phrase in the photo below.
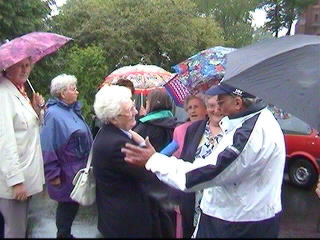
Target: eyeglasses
(128, 112)
(71, 89)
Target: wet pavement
(42, 219)
(300, 217)
(301, 213)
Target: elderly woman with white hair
(66, 141)
(123, 202)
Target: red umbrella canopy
(35, 45)
(143, 77)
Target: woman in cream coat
(21, 165)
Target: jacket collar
(156, 115)
(76, 107)
(11, 88)
(251, 109)
(228, 123)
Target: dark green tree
(18, 17)
(261, 34)
(233, 16)
(109, 34)
(88, 64)
(160, 32)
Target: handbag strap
(90, 154)
(89, 159)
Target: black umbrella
(283, 71)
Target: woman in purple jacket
(65, 140)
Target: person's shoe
(65, 236)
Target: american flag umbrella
(198, 73)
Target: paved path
(42, 219)
(300, 217)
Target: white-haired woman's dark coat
(124, 207)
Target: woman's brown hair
(126, 83)
(159, 99)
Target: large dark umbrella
(283, 71)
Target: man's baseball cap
(222, 88)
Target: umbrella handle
(34, 92)
(141, 100)
(29, 83)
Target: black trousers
(66, 213)
(187, 208)
(1, 226)
(211, 227)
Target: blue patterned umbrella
(198, 73)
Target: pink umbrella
(35, 45)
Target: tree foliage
(109, 34)
(160, 32)
(89, 66)
(282, 13)
(261, 34)
(18, 17)
(233, 16)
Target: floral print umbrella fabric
(198, 73)
(143, 77)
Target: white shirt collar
(127, 133)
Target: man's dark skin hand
(138, 155)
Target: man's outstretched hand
(138, 155)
